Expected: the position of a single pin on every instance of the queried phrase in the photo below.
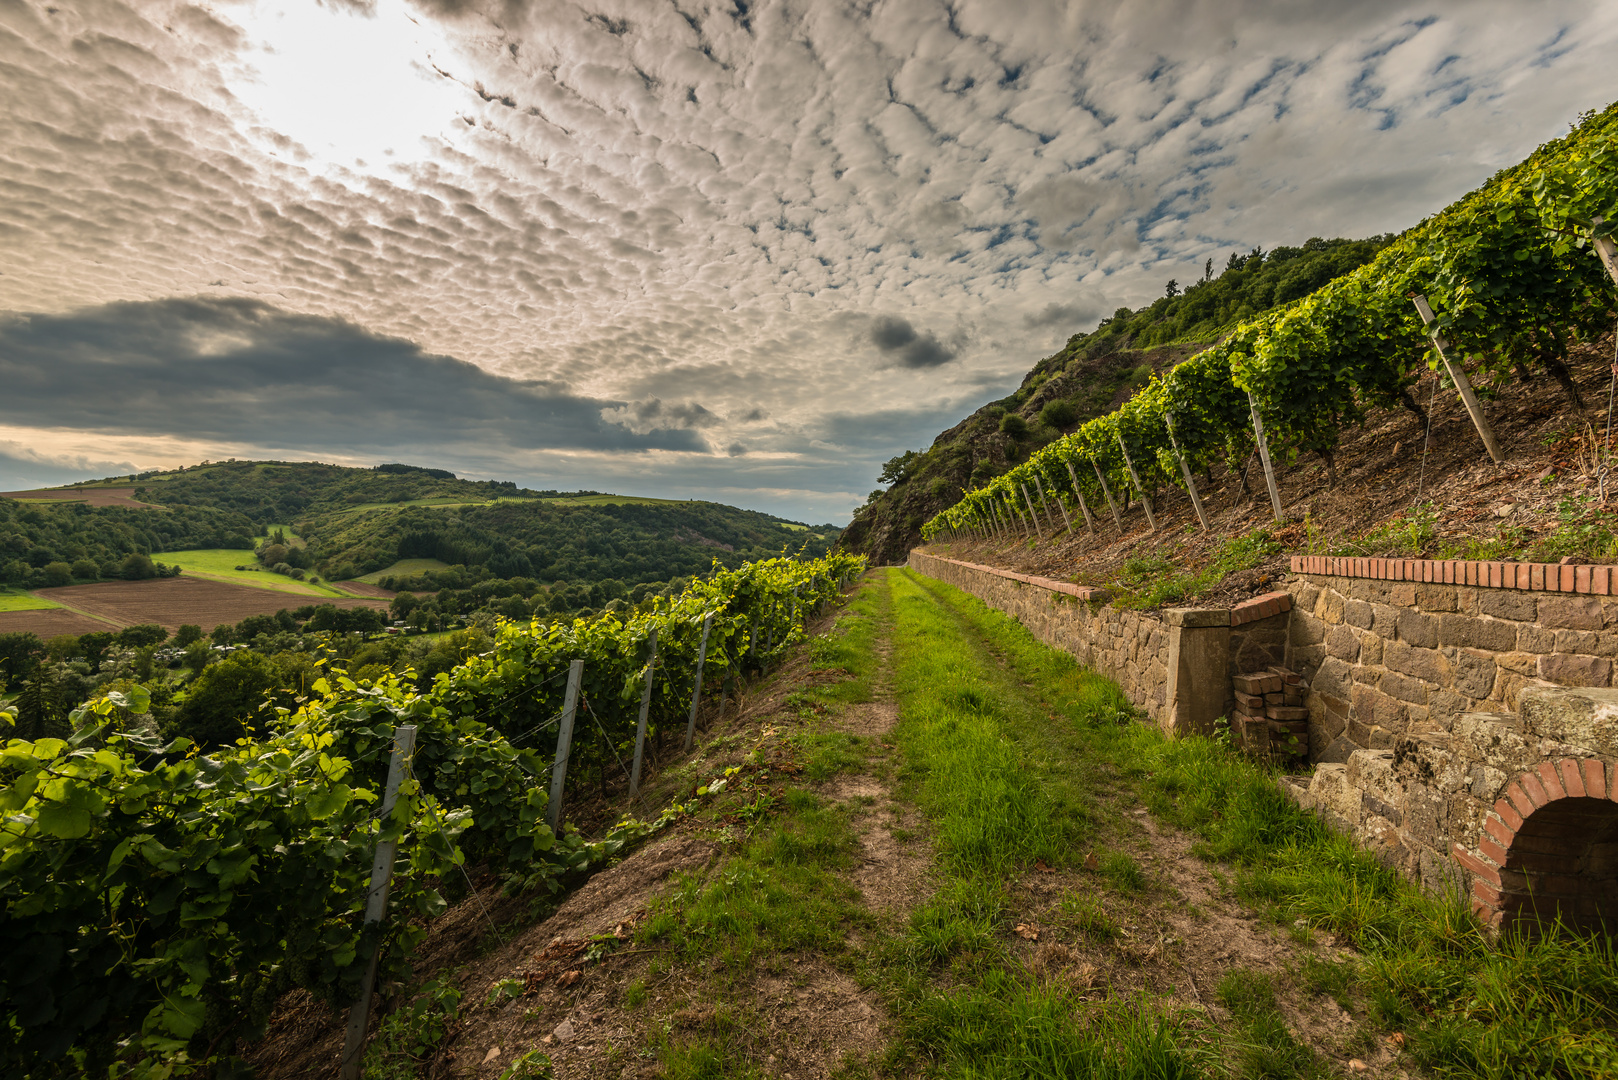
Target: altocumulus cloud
(241, 371)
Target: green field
(615, 500)
(441, 503)
(11, 600)
(219, 564)
(403, 568)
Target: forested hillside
(1090, 377)
(350, 522)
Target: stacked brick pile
(1270, 718)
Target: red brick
(1536, 790)
(1572, 777)
(1498, 829)
(1536, 575)
(1525, 575)
(1570, 578)
(1581, 579)
(1508, 814)
(1286, 712)
(1486, 894)
(1492, 574)
(1476, 865)
(1595, 779)
(1601, 580)
(1493, 851)
(1553, 783)
(1471, 573)
(1519, 798)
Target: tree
(403, 605)
(186, 634)
(897, 470)
(1207, 269)
(1172, 290)
(20, 654)
(225, 697)
(86, 569)
(58, 574)
(137, 567)
(42, 706)
(145, 634)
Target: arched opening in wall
(1564, 862)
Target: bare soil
(173, 602)
(1550, 447)
(108, 496)
(51, 622)
(363, 588)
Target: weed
(1267, 1048)
(408, 1036)
(1086, 915)
(1150, 580)
(533, 1065)
(635, 994)
(1122, 871)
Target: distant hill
(346, 523)
(1090, 376)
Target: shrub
(1013, 425)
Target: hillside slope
(1092, 375)
(350, 522)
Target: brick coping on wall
(1259, 607)
(1540, 577)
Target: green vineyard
(162, 900)
(1510, 272)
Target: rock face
(1518, 810)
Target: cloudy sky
(733, 249)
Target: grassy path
(930, 846)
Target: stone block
(1306, 595)
(1570, 612)
(1342, 643)
(1493, 739)
(1197, 617)
(1332, 792)
(1428, 665)
(1435, 597)
(1372, 771)
(1474, 672)
(1520, 662)
(1306, 659)
(1567, 669)
(1258, 683)
(1418, 629)
(1439, 874)
(1306, 629)
(1507, 604)
(1443, 706)
(1535, 639)
(1334, 678)
(1335, 751)
(1427, 761)
(1385, 619)
(1404, 688)
(1585, 718)
(1329, 607)
(1402, 594)
(1371, 646)
(1371, 707)
(1423, 819)
(1468, 632)
(1357, 613)
(1580, 641)
(1198, 667)
(1286, 712)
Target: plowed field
(171, 602)
(109, 496)
(50, 622)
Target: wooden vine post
(564, 745)
(1264, 457)
(1457, 375)
(1032, 514)
(1117, 518)
(1089, 521)
(696, 693)
(1068, 521)
(640, 728)
(1145, 499)
(376, 902)
(1185, 471)
(1607, 251)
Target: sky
(737, 250)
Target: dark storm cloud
(242, 371)
(900, 341)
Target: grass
(1148, 580)
(219, 564)
(19, 600)
(989, 768)
(403, 568)
(613, 500)
(1466, 1005)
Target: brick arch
(1549, 848)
